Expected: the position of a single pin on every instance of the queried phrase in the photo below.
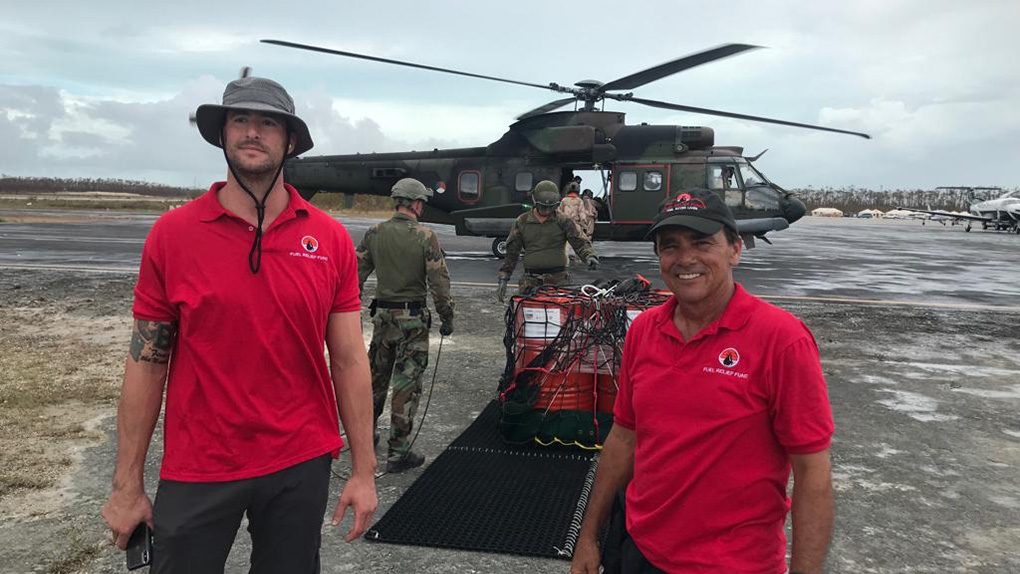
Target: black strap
(255, 254)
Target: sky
(104, 88)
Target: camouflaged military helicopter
(480, 190)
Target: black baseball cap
(698, 209)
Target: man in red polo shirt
(720, 394)
(237, 293)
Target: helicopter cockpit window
(653, 180)
(524, 181)
(628, 180)
(469, 185)
(751, 177)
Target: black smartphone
(139, 549)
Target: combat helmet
(410, 188)
(546, 194)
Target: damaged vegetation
(60, 365)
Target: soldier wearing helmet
(542, 234)
(406, 259)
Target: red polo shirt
(716, 419)
(249, 392)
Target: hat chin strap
(255, 254)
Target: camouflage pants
(398, 355)
(530, 281)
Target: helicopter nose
(792, 208)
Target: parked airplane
(1000, 214)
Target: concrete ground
(926, 453)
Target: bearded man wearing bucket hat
(719, 395)
(241, 288)
(542, 234)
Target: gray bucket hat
(255, 94)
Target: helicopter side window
(653, 181)
(628, 180)
(468, 186)
(524, 181)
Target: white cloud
(108, 89)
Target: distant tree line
(44, 185)
(856, 199)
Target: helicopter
(481, 190)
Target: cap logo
(729, 357)
(441, 187)
(310, 243)
(684, 202)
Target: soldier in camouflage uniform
(405, 256)
(591, 214)
(542, 233)
(573, 208)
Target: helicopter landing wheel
(499, 247)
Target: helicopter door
(637, 192)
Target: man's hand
(446, 329)
(593, 263)
(124, 511)
(501, 289)
(359, 494)
(586, 557)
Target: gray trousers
(196, 523)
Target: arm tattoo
(152, 341)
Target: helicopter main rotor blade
(672, 67)
(286, 44)
(696, 110)
(547, 107)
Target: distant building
(826, 212)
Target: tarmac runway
(875, 260)
(918, 328)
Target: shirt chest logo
(729, 357)
(310, 244)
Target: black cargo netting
(563, 351)
(481, 494)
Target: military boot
(407, 462)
